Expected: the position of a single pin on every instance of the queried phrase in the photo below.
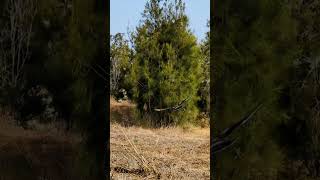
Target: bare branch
(17, 35)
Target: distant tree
(167, 64)
(204, 89)
(15, 45)
(119, 61)
(16, 37)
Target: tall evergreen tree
(166, 68)
(254, 43)
(77, 74)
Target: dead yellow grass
(148, 153)
(9, 129)
(115, 104)
(34, 154)
(166, 153)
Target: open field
(165, 153)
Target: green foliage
(67, 55)
(204, 89)
(268, 50)
(254, 46)
(167, 63)
(120, 63)
(72, 50)
(302, 92)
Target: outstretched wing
(240, 123)
(221, 145)
(174, 108)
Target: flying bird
(222, 142)
(174, 108)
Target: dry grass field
(165, 153)
(35, 154)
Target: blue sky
(127, 13)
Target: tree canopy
(266, 51)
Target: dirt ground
(165, 153)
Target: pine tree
(166, 69)
(77, 74)
(254, 43)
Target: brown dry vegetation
(35, 154)
(165, 153)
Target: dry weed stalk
(143, 162)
